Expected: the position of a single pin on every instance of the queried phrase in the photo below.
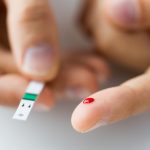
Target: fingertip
(101, 108)
(86, 115)
(45, 101)
(34, 39)
(42, 76)
(12, 88)
(40, 62)
(77, 122)
(123, 13)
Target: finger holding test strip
(27, 102)
(35, 50)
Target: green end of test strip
(30, 97)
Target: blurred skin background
(119, 30)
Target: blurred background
(52, 130)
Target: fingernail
(42, 108)
(124, 11)
(77, 93)
(97, 125)
(38, 59)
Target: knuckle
(34, 14)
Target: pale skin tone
(26, 21)
(121, 35)
(25, 24)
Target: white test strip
(27, 102)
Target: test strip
(27, 102)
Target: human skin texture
(29, 50)
(123, 41)
(120, 30)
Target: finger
(98, 65)
(113, 104)
(124, 48)
(12, 88)
(129, 13)
(94, 62)
(76, 81)
(7, 64)
(33, 38)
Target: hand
(69, 84)
(120, 29)
(32, 37)
(126, 43)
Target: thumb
(128, 13)
(33, 37)
(113, 104)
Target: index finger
(113, 104)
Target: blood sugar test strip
(27, 102)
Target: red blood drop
(88, 100)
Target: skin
(127, 44)
(25, 22)
(68, 80)
(21, 24)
